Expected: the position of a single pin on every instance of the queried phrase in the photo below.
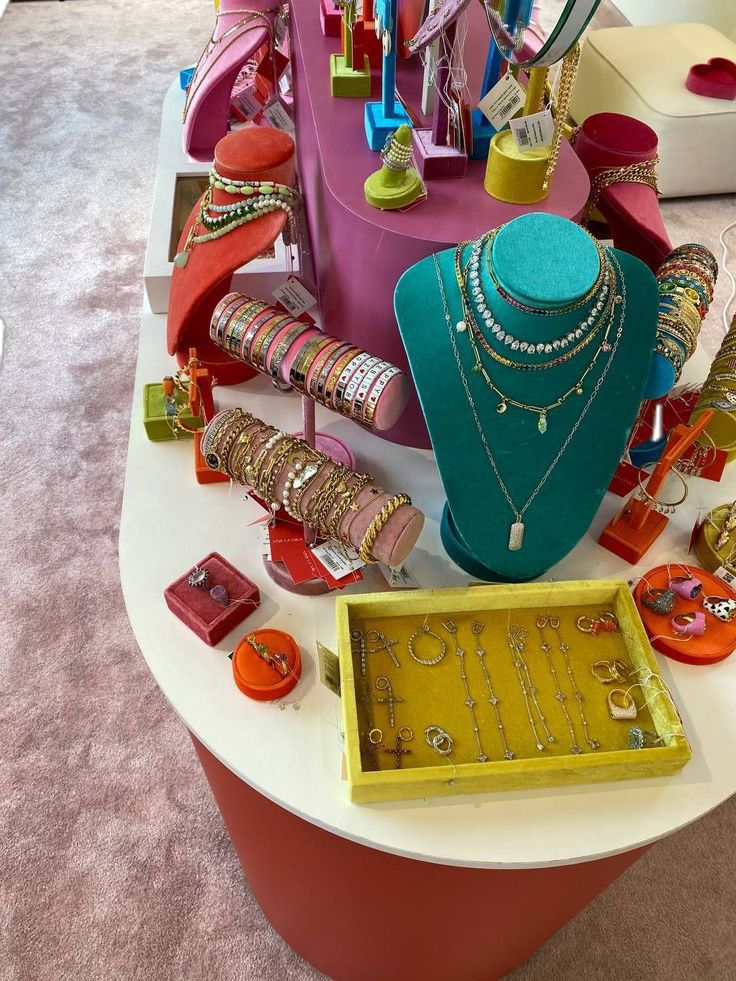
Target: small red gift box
(207, 617)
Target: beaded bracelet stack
(285, 472)
(685, 280)
(254, 199)
(334, 373)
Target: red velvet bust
(258, 153)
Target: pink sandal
(240, 30)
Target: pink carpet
(114, 863)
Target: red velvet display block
(194, 606)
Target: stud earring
(621, 705)
(424, 629)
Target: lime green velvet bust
(545, 262)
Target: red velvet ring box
(194, 606)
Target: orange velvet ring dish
(259, 678)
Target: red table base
(356, 912)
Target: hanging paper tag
(329, 668)
(533, 131)
(247, 104)
(278, 117)
(285, 80)
(264, 541)
(294, 297)
(400, 578)
(726, 576)
(338, 559)
(502, 102)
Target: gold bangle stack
(263, 457)
(685, 281)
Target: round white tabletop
(292, 752)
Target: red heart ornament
(715, 80)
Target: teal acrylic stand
(544, 261)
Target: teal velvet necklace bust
(547, 263)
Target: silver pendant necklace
(517, 528)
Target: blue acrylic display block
(379, 125)
(185, 77)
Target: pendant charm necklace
(517, 528)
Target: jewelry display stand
(384, 117)
(436, 157)
(635, 529)
(350, 70)
(205, 276)
(545, 261)
(330, 18)
(344, 228)
(240, 33)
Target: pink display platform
(359, 252)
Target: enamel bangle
(357, 378)
(266, 337)
(262, 317)
(238, 316)
(300, 371)
(345, 377)
(375, 393)
(222, 314)
(356, 406)
(315, 369)
(327, 367)
(288, 338)
(335, 373)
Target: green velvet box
(158, 425)
(435, 695)
(350, 83)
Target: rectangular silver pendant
(516, 536)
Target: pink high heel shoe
(240, 29)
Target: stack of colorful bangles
(285, 472)
(332, 372)
(719, 393)
(686, 280)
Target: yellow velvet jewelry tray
(435, 695)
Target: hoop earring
(425, 630)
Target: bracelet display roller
(335, 501)
(358, 385)
(686, 281)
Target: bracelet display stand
(635, 529)
(384, 117)
(436, 158)
(344, 228)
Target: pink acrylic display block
(194, 606)
(360, 252)
(330, 18)
(436, 161)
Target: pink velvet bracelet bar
(391, 395)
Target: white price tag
(278, 117)
(248, 104)
(285, 80)
(728, 577)
(533, 131)
(400, 578)
(296, 298)
(338, 559)
(264, 541)
(502, 101)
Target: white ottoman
(641, 72)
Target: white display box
(179, 183)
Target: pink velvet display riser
(208, 619)
(391, 402)
(396, 538)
